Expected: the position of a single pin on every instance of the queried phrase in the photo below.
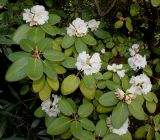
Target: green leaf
(45, 92)
(17, 71)
(129, 26)
(54, 55)
(135, 8)
(20, 33)
(112, 85)
(121, 110)
(80, 45)
(34, 68)
(118, 24)
(59, 126)
(37, 85)
(53, 19)
(155, 3)
(39, 113)
(25, 89)
(111, 136)
(85, 110)
(88, 93)
(151, 106)
(70, 84)
(157, 68)
(76, 128)
(140, 132)
(126, 136)
(67, 41)
(110, 44)
(135, 108)
(86, 135)
(27, 45)
(89, 81)
(116, 78)
(100, 33)
(18, 55)
(3, 126)
(125, 83)
(108, 99)
(88, 39)
(157, 136)
(35, 34)
(49, 70)
(51, 30)
(49, 120)
(107, 75)
(87, 124)
(44, 44)
(101, 128)
(69, 62)
(65, 107)
(54, 84)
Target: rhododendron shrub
(92, 80)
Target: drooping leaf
(49, 70)
(101, 128)
(37, 85)
(17, 71)
(34, 68)
(135, 108)
(121, 110)
(88, 93)
(45, 92)
(59, 126)
(80, 45)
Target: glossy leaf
(67, 41)
(34, 68)
(88, 39)
(37, 85)
(27, 45)
(17, 71)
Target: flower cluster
(137, 61)
(141, 84)
(80, 28)
(88, 64)
(126, 97)
(51, 107)
(120, 131)
(117, 69)
(37, 15)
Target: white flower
(103, 50)
(51, 107)
(88, 64)
(117, 69)
(140, 84)
(93, 24)
(36, 16)
(120, 94)
(137, 62)
(134, 49)
(120, 131)
(77, 28)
